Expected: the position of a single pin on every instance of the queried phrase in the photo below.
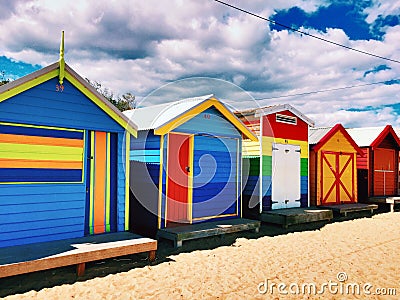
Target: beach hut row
(73, 166)
(295, 164)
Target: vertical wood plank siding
(39, 212)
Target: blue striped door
(215, 177)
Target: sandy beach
(350, 259)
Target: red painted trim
(354, 158)
(338, 127)
(385, 132)
(323, 157)
(340, 181)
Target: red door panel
(384, 172)
(178, 170)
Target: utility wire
(306, 33)
(327, 90)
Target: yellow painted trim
(160, 180)
(57, 73)
(268, 141)
(166, 186)
(199, 109)
(190, 179)
(61, 61)
(237, 180)
(92, 174)
(37, 126)
(127, 175)
(101, 104)
(84, 156)
(108, 182)
(27, 85)
(214, 217)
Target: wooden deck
(200, 230)
(344, 209)
(42, 256)
(384, 200)
(294, 216)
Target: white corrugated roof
(316, 134)
(155, 116)
(365, 136)
(397, 130)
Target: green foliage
(124, 102)
(3, 79)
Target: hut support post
(80, 269)
(178, 243)
(152, 255)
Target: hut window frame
(286, 119)
(33, 182)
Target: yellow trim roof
(166, 117)
(29, 81)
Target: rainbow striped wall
(40, 154)
(272, 132)
(102, 182)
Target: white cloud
(382, 8)
(138, 46)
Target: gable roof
(163, 118)
(267, 110)
(319, 136)
(316, 134)
(372, 136)
(54, 70)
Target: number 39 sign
(59, 88)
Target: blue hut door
(285, 176)
(178, 178)
(101, 179)
(215, 177)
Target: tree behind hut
(3, 79)
(125, 102)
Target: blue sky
(350, 16)
(166, 50)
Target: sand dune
(366, 251)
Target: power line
(328, 90)
(306, 33)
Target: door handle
(187, 169)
